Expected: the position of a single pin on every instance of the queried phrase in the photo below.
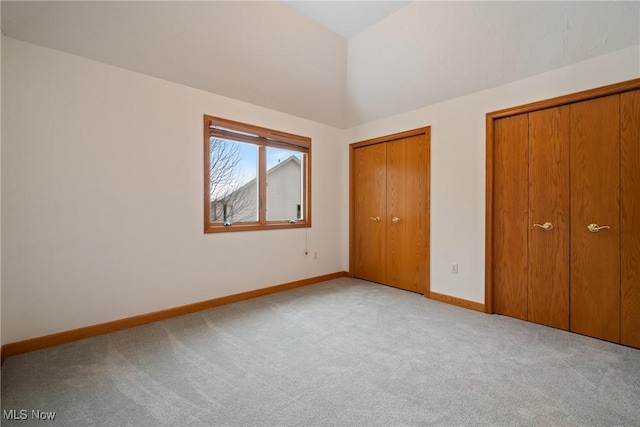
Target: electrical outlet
(454, 268)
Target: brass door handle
(375, 218)
(395, 220)
(594, 228)
(547, 226)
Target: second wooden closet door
(558, 207)
(390, 213)
(565, 213)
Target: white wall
(103, 202)
(431, 51)
(458, 160)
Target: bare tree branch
(230, 200)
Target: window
(254, 178)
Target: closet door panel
(370, 213)
(407, 204)
(510, 207)
(397, 246)
(630, 217)
(595, 256)
(416, 215)
(548, 292)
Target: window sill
(276, 225)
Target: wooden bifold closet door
(531, 257)
(565, 214)
(595, 200)
(370, 208)
(389, 197)
(630, 217)
(548, 291)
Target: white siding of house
(283, 196)
(283, 191)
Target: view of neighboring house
(284, 190)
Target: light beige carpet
(344, 352)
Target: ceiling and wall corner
(347, 18)
(400, 55)
(429, 52)
(264, 53)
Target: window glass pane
(255, 178)
(284, 184)
(233, 181)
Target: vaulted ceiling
(388, 58)
(347, 18)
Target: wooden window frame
(263, 138)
